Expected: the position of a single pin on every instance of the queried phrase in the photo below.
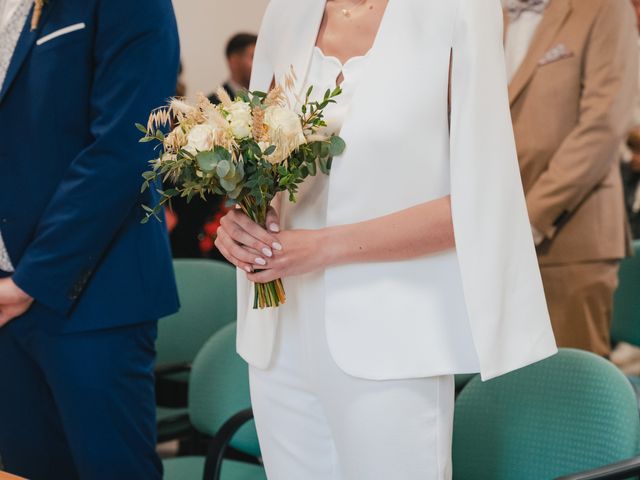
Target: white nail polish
(274, 227)
(277, 246)
(248, 269)
(267, 252)
(261, 261)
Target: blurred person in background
(193, 225)
(239, 53)
(82, 281)
(573, 69)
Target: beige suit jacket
(571, 102)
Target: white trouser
(317, 423)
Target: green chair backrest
(219, 388)
(462, 379)
(626, 305)
(569, 413)
(207, 292)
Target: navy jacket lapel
(25, 43)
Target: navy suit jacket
(71, 164)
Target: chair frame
(616, 471)
(161, 372)
(219, 445)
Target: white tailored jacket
(478, 308)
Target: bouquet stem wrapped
(270, 294)
(247, 149)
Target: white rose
(285, 131)
(286, 123)
(240, 119)
(200, 139)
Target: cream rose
(200, 139)
(285, 132)
(240, 120)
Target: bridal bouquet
(247, 149)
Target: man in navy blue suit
(82, 282)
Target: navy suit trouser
(78, 406)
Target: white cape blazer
(478, 308)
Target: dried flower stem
(37, 13)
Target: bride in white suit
(411, 262)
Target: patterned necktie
(515, 8)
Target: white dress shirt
(13, 14)
(520, 33)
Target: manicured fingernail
(248, 269)
(261, 261)
(277, 246)
(267, 252)
(274, 227)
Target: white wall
(205, 26)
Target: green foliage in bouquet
(247, 150)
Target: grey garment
(8, 40)
(9, 36)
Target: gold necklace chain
(347, 11)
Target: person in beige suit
(573, 69)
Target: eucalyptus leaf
(312, 168)
(236, 193)
(337, 146)
(324, 149)
(207, 161)
(222, 153)
(232, 172)
(229, 186)
(223, 168)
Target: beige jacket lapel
(554, 17)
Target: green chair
(462, 380)
(219, 407)
(207, 291)
(626, 305)
(574, 412)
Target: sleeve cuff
(43, 295)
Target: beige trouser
(580, 300)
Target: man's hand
(13, 301)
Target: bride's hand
(245, 243)
(303, 253)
